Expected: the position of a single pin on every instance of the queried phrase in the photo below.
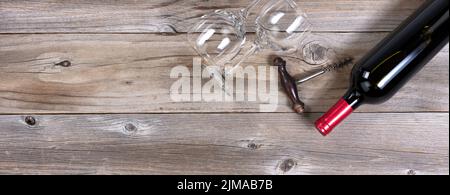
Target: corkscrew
(290, 84)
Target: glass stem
(254, 48)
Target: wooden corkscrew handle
(290, 85)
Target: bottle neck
(354, 98)
(339, 112)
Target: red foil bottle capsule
(334, 117)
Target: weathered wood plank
(86, 16)
(223, 144)
(130, 73)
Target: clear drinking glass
(220, 37)
(281, 26)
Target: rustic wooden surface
(223, 144)
(110, 111)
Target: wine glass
(220, 37)
(280, 26)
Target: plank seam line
(202, 113)
(163, 33)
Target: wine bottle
(382, 72)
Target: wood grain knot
(168, 29)
(29, 120)
(65, 63)
(130, 128)
(411, 172)
(287, 165)
(129, 82)
(253, 146)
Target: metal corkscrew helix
(289, 83)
